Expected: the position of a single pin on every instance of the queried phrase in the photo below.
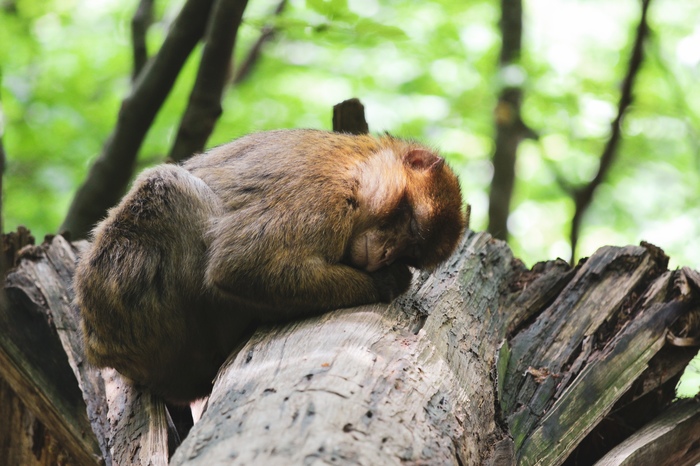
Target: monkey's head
(410, 208)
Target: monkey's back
(296, 184)
(255, 167)
(139, 286)
(258, 229)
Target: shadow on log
(481, 362)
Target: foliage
(689, 384)
(422, 69)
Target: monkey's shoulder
(297, 148)
(164, 191)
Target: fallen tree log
(482, 362)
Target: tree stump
(482, 362)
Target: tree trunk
(481, 362)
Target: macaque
(270, 227)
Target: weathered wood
(24, 439)
(607, 376)
(482, 362)
(400, 384)
(33, 362)
(138, 430)
(535, 290)
(349, 117)
(670, 440)
(327, 389)
(12, 243)
(566, 331)
(41, 356)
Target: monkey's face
(388, 241)
(410, 210)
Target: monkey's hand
(283, 273)
(391, 281)
(292, 289)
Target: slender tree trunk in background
(110, 174)
(204, 107)
(245, 67)
(143, 17)
(509, 127)
(584, 196)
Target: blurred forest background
(431, 70)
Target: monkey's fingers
(392, 281)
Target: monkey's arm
(290, 282)
(312, 287)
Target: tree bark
(349, 117)
(140, 22)
(481, 362)
(24, 439)
(371, 385)
(662, 441)
(97, 417)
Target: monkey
(271, 227)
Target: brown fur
(271, 226)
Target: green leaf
(368, 28)
(330, 8)
(689, 384)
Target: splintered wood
(481, 362)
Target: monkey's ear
(421, 159)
